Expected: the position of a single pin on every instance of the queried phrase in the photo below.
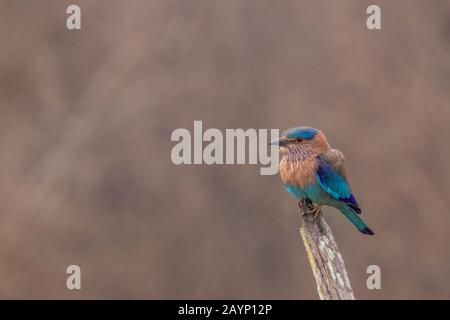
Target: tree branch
(324, 257)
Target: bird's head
(305, 138)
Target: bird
(316, 174)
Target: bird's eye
(299, 139)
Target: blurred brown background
(86, 117)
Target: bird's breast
(298, 172)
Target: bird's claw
(307, 207)
(316, 211)
(302, 206)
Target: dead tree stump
(324, 257)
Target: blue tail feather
(356, 220)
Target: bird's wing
(332, 176)
(336, 159)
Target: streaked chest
(298, 172)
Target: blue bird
(314, 172)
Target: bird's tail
(357, 221)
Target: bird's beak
(278, 142)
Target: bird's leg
(316, 210)
(301, 206)
(305, 206)
(308, 207)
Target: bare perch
(324, 257)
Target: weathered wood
(324, 257)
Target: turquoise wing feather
(332, 178)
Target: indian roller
(316, 174)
